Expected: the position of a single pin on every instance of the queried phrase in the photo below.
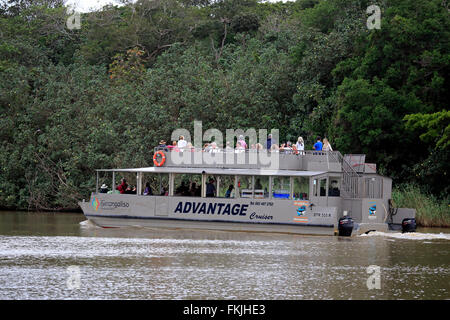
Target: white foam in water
(88, 224)
(409, 235)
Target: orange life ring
(163, 158)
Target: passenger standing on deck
(123, 186)
(242, 141)
(300, 145)
(318, 145)
(210, 189)
(326, 145)
(288, 147)
(182, 143)
(269, 142)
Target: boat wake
(88, 224)
(409, 235)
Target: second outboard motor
(408, 225)
(345, 226)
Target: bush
(430, 212)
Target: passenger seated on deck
(274, 148)
(213, 147)
(148, 190)
(239, 147)
(162, 146)
(104, 188)
(228, 193)
(114, 191)
(130, 190)
(334, 190)
(190, 147)
(210, 189)
(198, 191)
(123, 186)
(258, 185)
(288, 147)
(182, 189)
(173, 147)
(193, 189)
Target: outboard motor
(408, 225)
(345, 226)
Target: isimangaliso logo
(95, 203)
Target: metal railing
(350, 178)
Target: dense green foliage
(102, 96)
(430, 211)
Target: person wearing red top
(123, 186)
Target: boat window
(245, 186)
(211, 186)
(281, 187)
(130, 184)
(315, 187)
(261, 187)
(373, 188)
(163, 184)
(334, 189)
(150, 185)
(187, 185)
(104, 183)
(323, 187)
(226, 188)
(301, 188)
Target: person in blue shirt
(269, 142)
(210, 189)
(318, 145)
(228, 193)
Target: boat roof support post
(218, 187)
(203, 185)
(171, 183)
(270, 187)
(113, 186)
(96, 189)
(291, 190)
(236, 191)
(253, 186)
(139, 183)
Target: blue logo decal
(301, 210)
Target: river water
(63, 256)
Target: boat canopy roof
(219, 171)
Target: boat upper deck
(308, 160)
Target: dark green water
(61, 256)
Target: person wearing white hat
(104, 188)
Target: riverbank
(430, 211)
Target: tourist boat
(307, 192)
